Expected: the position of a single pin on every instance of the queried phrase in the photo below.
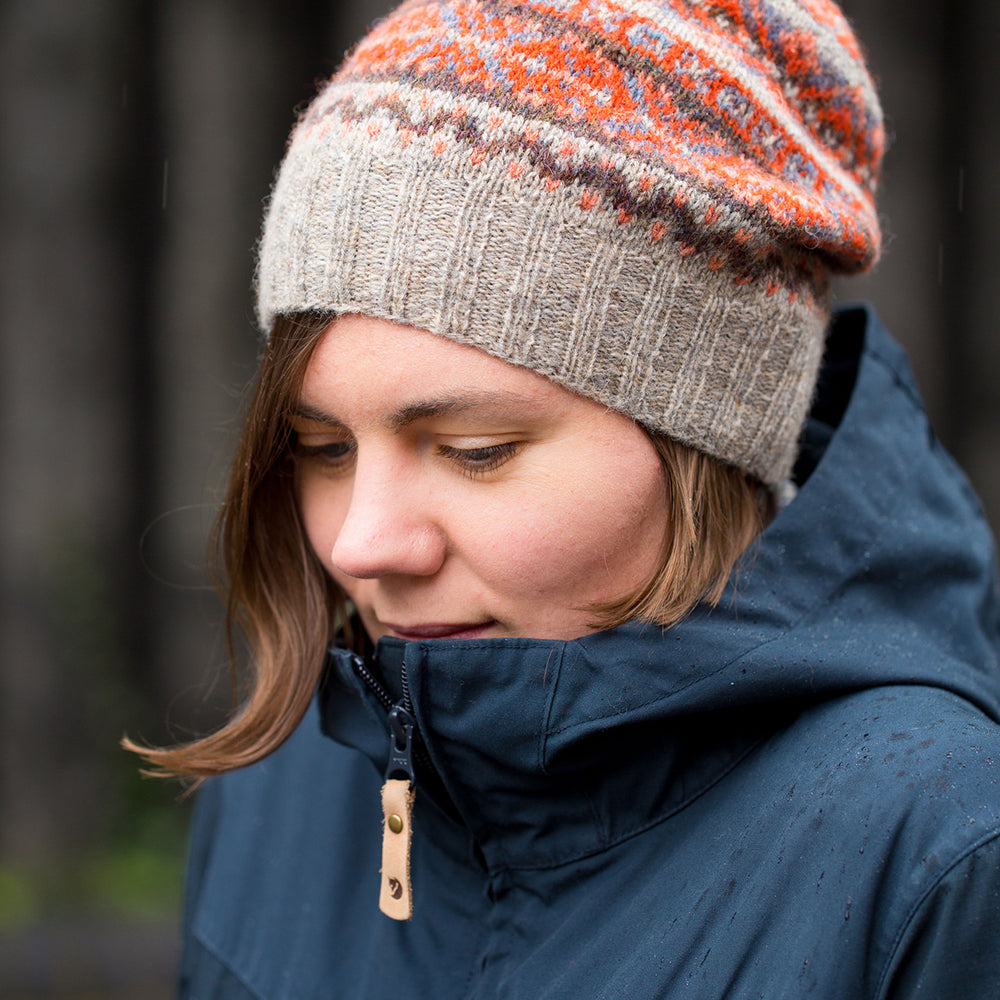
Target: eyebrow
(501, 403)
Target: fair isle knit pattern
(639, 199)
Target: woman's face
(454, 495)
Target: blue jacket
(793, 795)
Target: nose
(389, 529)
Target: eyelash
(333, 455)
(474, 462)
(477, 462)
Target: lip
(460, 630)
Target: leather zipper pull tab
(398, 793)
(396, 895)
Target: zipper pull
(398, 792)
(401, 726)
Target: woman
(675, 655)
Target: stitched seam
(890, 366)
(217, 955)
(506, 644)
(638, 831)
(911, 915)
(543, 736)
(725, 666)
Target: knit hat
(640, 199)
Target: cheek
(321, 514)
(585, 538)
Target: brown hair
(277, 592)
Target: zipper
(373, 683)
(398, 793)
(403, 712)
(401, 726)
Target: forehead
(405, 374)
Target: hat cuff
(492, 254)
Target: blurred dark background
(138, 144)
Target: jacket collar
(548, 750)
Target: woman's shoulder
(899, 793)
(912, 758)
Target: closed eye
(480, 461)
(334, 454)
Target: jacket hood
(880, 572)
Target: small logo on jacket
(395, 888)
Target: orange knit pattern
(749, 128)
